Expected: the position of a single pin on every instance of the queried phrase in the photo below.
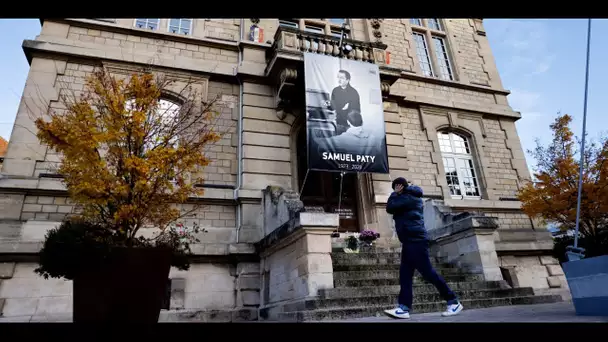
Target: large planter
(130, 287)
(588, 281)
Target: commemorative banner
(344, 115)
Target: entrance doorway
(322, 189)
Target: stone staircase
(367, 283)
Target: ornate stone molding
(376, 29)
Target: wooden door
(321, 192)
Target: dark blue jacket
(408, 213)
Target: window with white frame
(180, 26)
(161, 119)
(313, 29)
(289, 23)
(431, 48)
(166, 112)
(459, 165)
(150, 24)
(337, 21)
(331, 27)
(323, 26)
(338, 33)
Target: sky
(541, 61)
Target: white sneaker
(452, 310)
(399, 312)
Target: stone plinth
(469, 243)
(296, 260)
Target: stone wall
(296, 260)
(218, 28)
(512, 220)
(223, 168)
(218, 220)
(205, 287)
(267, 154)
(539, 272)
(27, 294)
(289, 271)
(82, 36)
(467, 45)
(422, 169)
(497, 156)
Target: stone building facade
(449, 129)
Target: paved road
(556, 312)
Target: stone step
(372, 267)
(339, 248)
(375, 310)
(373, 258)
(394, 280)
(451, 273)
(428, 297)
(364, 291)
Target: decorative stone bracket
(286, 92)
(280, 206)
(468, 242)
(388, 76)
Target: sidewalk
(548, 313)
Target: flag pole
(576, 253)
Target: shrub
(352, 242)
(78, 245)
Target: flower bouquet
(352, 244)
(367, 237)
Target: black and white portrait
(345, 117)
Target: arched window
(161, 120)
(167, 112)
(459, 165)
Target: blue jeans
(415, 256)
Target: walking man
(405, 204)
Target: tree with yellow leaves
(552, 195)
(127, 156)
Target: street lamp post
(574, 252)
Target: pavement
(548, 313)
(537, 313)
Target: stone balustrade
(297, 41)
